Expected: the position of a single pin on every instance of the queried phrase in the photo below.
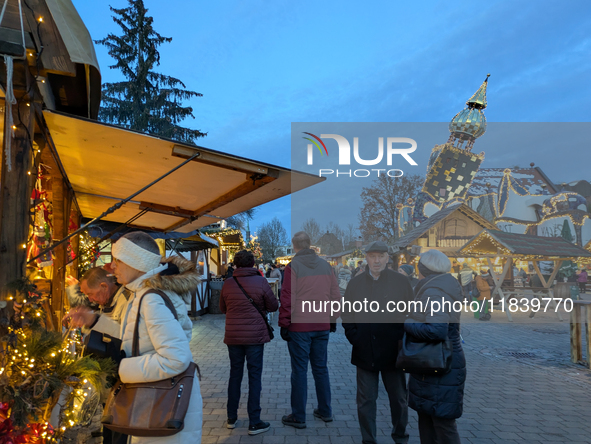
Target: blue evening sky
(262, 65)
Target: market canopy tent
(105, 164)
(508, 246)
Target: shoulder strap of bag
(251, 300)
(135, 349)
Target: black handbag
(424, 358)
(102, 345)
(269, 328)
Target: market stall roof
(196, 242)
(500, 243)
(60, 54)
(417, 232)
(230, 237)
(73, 32)
(105, 164)
(346, 252)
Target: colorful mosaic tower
(452, 166)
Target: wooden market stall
(447, 231)
(230, 241)
(506, 247)
(284, 260)
(227, 184)
(74, 167)
(54, 67)
(58, 167)
(200, 247)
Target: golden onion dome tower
(470, 123)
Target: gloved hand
(285, 334)
(333, 327)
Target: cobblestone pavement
(521, 387)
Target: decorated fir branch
(40, 369)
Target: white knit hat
(135, 256)
(436, 261)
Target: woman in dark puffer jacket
(246, 335)
(437, 399)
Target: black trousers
(367, 395)
(433, 430)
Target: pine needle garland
(41, 368)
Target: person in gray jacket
(438, 399)
(343, 278)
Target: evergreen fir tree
(566, 234)
(146, 101)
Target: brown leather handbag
(150, 408)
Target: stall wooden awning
(492, 243)
(105, 164)
(196, 242)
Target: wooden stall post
(548, 284)
(499, 279)
(575, 334)
(194, 291)
(61, 218)
(75, 246)
(16, 186)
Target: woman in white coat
(163, 341)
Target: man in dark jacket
(310, 281)
(374, 334)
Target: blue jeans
(309, 346)
(254, 363)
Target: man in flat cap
(374, 333)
